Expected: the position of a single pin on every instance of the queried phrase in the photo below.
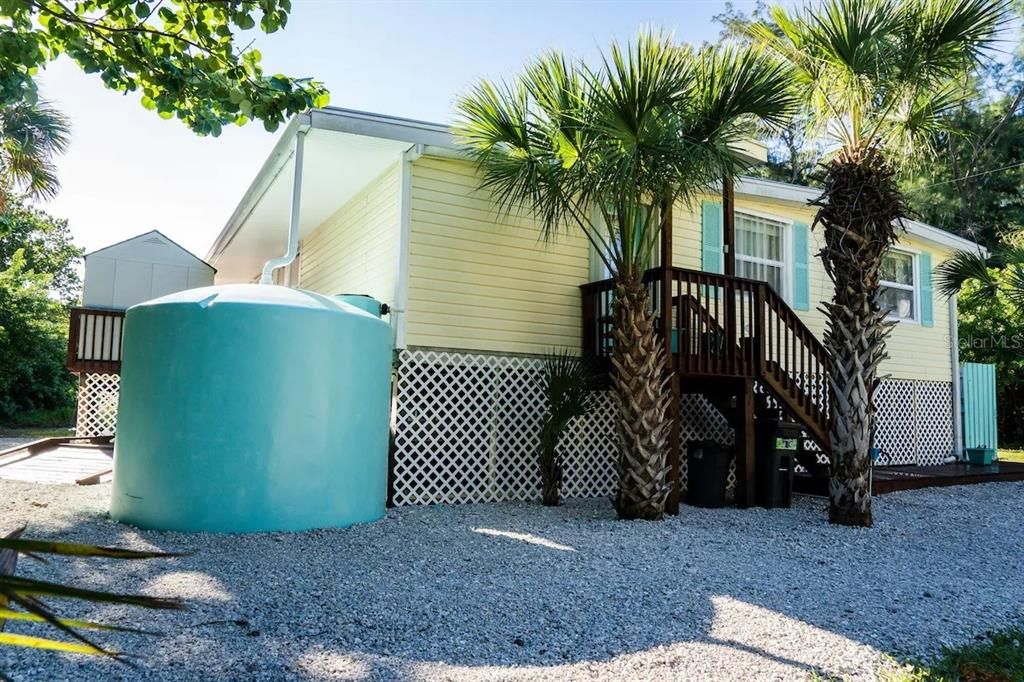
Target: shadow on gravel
(535, 589)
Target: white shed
(139, 269)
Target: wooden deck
(888, 479)
(85, 461)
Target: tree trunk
(550, 469)
(852, 340)
(642, 393)
(860, 209)
(550, 488)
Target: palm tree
(877, 77)
(30, 136)
(567, 382)
(606, 151)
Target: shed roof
(148, 237)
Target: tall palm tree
(30, 136)
(877, 77)
(605, 151)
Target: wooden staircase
(723, 336)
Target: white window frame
(915, 288)
(787, 249)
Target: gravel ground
(520, 592)
(10, 441)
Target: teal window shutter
(711, 237)
(801, 277)
(924, 260)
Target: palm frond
(27, 594)
(26, 546)
(883, 71)
(598, 148)
(30, 136)
(1015, 284)
(962, 267)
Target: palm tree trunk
(860, 210)
(853, 340)
(550, 468)
(641, 389)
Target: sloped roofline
(438, 135)
(144, 234)
(784, 191)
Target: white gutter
(398, 312)
(954, 358)
(293, 225)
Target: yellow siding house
(390, 208)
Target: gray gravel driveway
(521, 592)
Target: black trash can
(775, 463)
(707, 472)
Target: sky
(128, 171)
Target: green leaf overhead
(185, 59)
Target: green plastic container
(251, 408)
(983, 456)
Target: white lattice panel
(894, 424)
(934, 418)
(97, 405)
(467, 429)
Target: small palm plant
(878, 78)
(567, 381)
(27, 595)
(607, 151)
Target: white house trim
(914, 288)
(398, 312)
(954, 358)
(272, 167)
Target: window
(899, 285)
(761, 250)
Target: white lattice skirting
(915, 421)
(467, 426)
(97, 405)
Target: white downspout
(293, 226)
(398, 311)
(954, 358)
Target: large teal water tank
(251, 408)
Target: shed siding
(484, 281)
(356, 249)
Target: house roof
(784, 191)
(346, 148)
(142, 237)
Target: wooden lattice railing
(94, 340)
(726, 326)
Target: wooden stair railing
(723, 326)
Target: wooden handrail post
(666, 282)
(759, 314)
(75, 321)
